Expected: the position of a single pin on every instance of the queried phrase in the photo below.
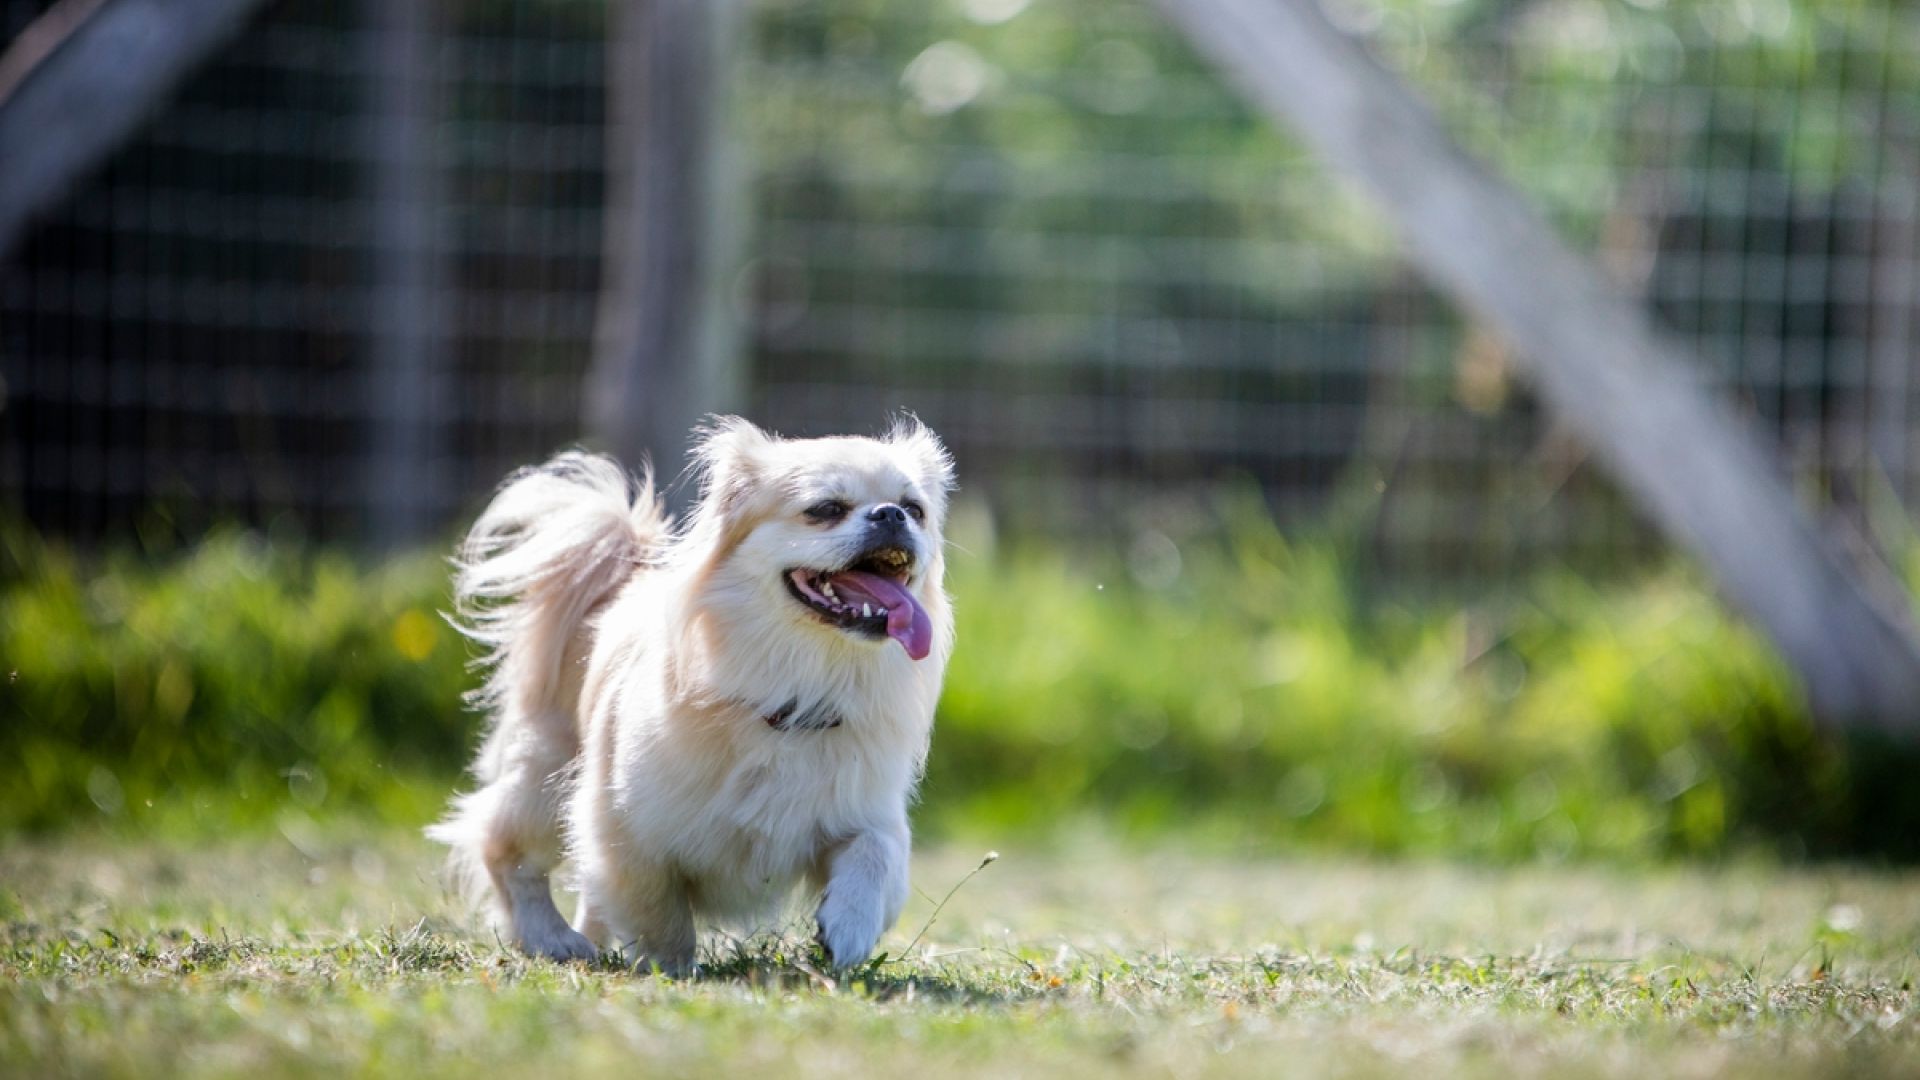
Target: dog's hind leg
(553, 545)
(507, 835)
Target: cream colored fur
(631, 669)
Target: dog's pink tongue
(907, 621)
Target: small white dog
(701, 718)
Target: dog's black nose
(887, 514)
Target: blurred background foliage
(1240, 690)
(1054, 230)
(1262, 542)
(1044, 225)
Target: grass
(219, 759)
(318, 954)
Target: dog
(700, 718)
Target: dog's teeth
(882, 611)
(866, 611)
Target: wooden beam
(79, 80)
(665, 351)
(1630, 391)
(406, 375)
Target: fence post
(665, 348)
(1629, 390)
(405, 371)
(1895, 348)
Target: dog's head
(837, 536)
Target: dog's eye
(918, 512)
(830, 510)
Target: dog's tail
(556, 541)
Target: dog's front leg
(641, 909)
(866, 886)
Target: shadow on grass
(782, 963)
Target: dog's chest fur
(744, 828)
(742, 808)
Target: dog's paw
(849, 925)
(560, 943)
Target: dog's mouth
(868, 597)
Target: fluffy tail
(555, 542)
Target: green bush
(1236, 689)
(1254, 698)
(226, 685)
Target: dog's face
(829, 536)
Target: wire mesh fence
(1044, 225)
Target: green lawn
(318, 954)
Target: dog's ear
(730, 457)
(929, 457)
